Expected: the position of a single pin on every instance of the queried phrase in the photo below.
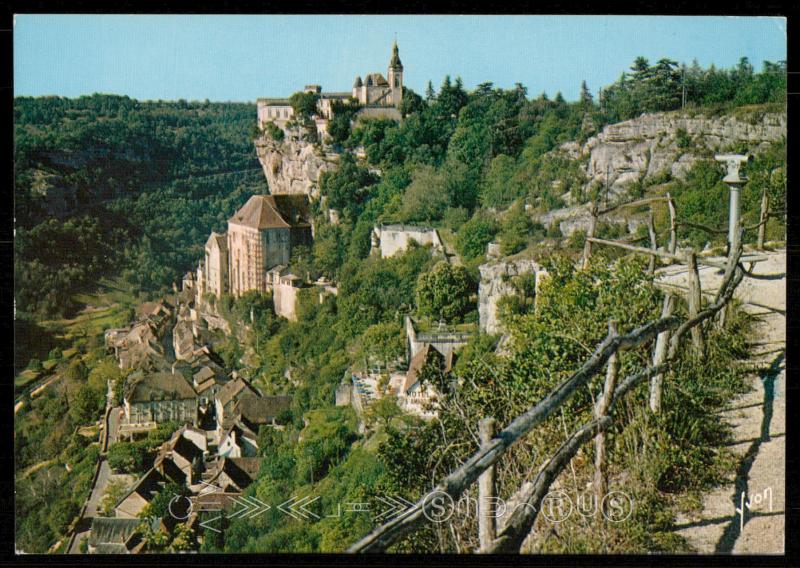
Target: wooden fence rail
(521, 521)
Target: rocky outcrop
(55, 197)
(653, 145)
(495, 283)
(656, 147)
(293, 165)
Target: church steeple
(395, 77)
(395, 62)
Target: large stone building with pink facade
(260, 236)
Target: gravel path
(758, 420)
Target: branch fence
(667, 331)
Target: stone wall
(494, 284)
(393, 239)
(284, 297)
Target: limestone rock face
(494, 284)
(293, 165)
(653, 144)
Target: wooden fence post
(673, 225)
(762, 222)
(660, 355)
(694, 298)
(587, 246)
(600, 410)
(651, 269)
(487, 521)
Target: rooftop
(273, 212)
(220, 240)
(256, 410)
(160, 386)
(232, 389)
(112, 531)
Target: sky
(241, 58)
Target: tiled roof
(203, 374)
(112, 531)
(160, 386)
(232, 389)
(261, 409)
(427, 353)
(376, 79)
(147, 486)
(259, 212)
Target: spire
(395, 62)
(358, 82)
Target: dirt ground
(758, 419)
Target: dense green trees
(443, 293)
(149, 186)
(668, 86)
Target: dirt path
(758, 420)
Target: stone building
(393, 239)
(216, 264)
(226, 399)
(262, 235)
(145, 490)
(445, 340)
(151, 398)
(378, 96)
(375, 90)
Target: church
(260, 237)
(378, 96)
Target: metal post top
(734, 162)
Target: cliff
(494, 284)
(654, 148)
(653, 145)
(293, 165)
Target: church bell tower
(395, 76)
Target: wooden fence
(667, 331)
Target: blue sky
(240, 58)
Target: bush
(475, 234)
(274, 131)
(443, 293)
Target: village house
(226, 399)
(154, 397)
(145, 490)
(187, 449)
(112, 535)
(257, 411)
(216, 264)
(238, 441)
(415, 396)
(235, 474)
